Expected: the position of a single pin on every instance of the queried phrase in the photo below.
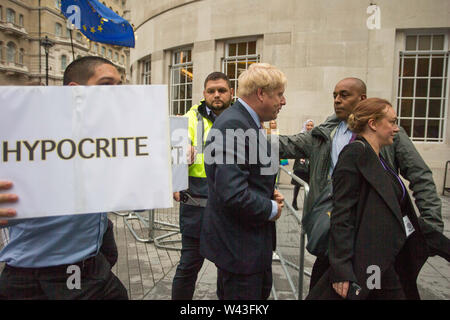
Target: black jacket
(367, 227)
(236, 233)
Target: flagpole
(71, 42)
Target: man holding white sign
(60, 257)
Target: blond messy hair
(260, 75)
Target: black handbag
(316, 222)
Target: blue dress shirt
(52, 241)
(341, 138)
(258, 124)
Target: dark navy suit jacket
(236, 232)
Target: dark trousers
(191, 262)
(320, 266)
(97, 282)
(109, 247)
(231, 286)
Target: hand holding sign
(7, 198)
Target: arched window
(21, 20)
(1, 51)
(1, 13)
(58, 29)
(11, 52)
(10, 16)
(63, 62)
(21, 55)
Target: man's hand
(277, 196)
(341, 288)
(191, 153)
(280, 208)
(7, 198)
(176, 196)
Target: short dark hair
(217, 76)
(82, 69)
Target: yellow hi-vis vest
(198, 132)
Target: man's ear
(260, 94)
(363, 97)
(232, 92)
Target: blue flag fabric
(98, 23)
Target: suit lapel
(372, 170)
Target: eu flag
(98, 23)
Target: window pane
(436, 88)
(181, 108)
(411, 43)
(406, 124)
(231, 72)
(189, 75)
(406, 110)
(183, 92)
(189, 56)
(421, 87)
(407, 87)
(189, 91)
(424, 42)
(188, 105)
(438, 42)
(175, 94)
(182, 73)
(232, 49)
(420, 108)
(434, 108)
(242, 49)
(252, 47)
(409, 66)
(422, 67)
(433, 129)
(419, 128)
(176, 76)
(437, 66)
(175, 107)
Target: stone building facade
(24, 22)
(399, 48)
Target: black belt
(61, 268)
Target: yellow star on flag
(92, 29)
(100, 28)
(84, 28)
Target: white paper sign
(179, 140)
(71, 150)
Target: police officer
(218, 95)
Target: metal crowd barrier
(445, 187)
(278, 256)
(154, 225)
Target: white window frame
(254, 58)
(179, 105)
(445, 88)
(146, 70)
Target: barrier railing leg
(302, 265)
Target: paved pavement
(147, 267)
(433, 281)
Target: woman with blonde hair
(377, 245)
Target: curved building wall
(316, 43)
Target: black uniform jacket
(367, 227)
(236, 232)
